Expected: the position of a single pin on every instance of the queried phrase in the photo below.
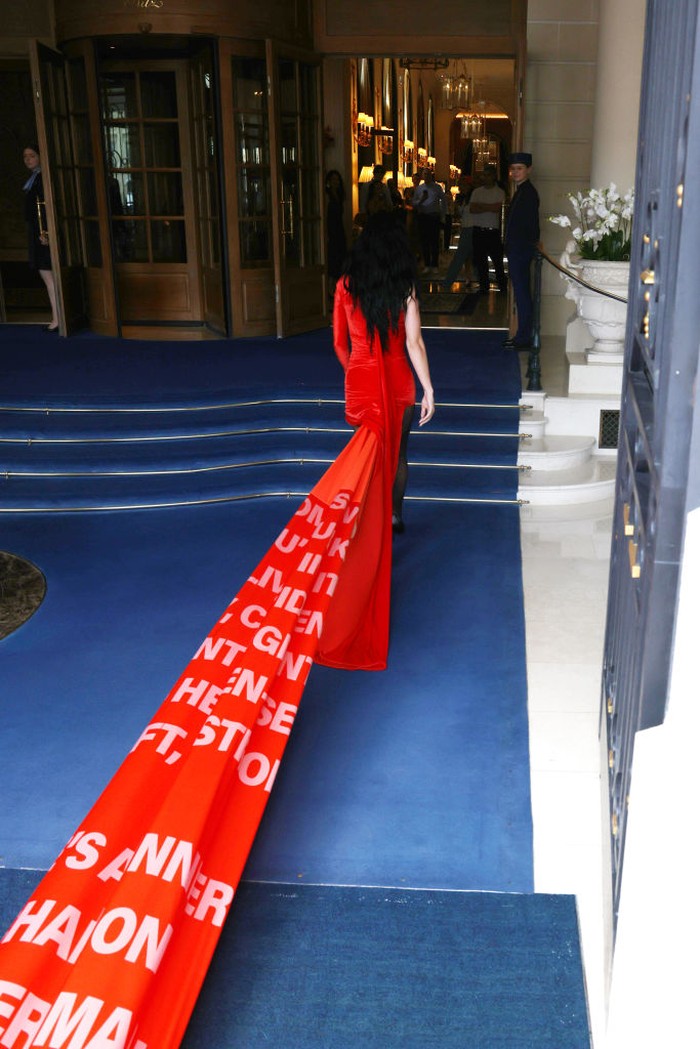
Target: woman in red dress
(376, 331)
(376, 319)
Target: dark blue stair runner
(94, 456)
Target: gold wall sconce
(365, 127)
(385, 139)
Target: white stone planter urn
(605, 318)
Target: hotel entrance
(183, 184)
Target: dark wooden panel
(412, 27)
(291, 22)
(305, 297)
(97, 304)
(31, 18)
(153, 296)
(419, 19)
(258, 298)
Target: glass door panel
(204, 88)
(153, 179)
(295, 115)
(252, 161)
(58, 108)
(246, 142)
(144, 166)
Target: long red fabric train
(111, 950)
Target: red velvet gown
(379, 386)
(154, 865)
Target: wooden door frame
(251, 289)
(218, 322)
(109, 325)
(274, 50)
(66, 317)
(190, 270)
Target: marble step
(555, 452)
(533, 423)
(589, 481)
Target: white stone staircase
(560, 468)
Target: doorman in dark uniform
(521, 239)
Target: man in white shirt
(485, 209)
(429, 207)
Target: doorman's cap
(521, 158)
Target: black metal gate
(657, 479)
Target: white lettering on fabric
(287, 541)
(323, 530)
(291, 666)
(278, 717)
(170, 734)
(309, 623)
(255, 769)
(85, 845)
(243, 680)
(291, 599)
(117, 931)
(208, 895)
(271, 639)
(222, 730)
(247, 616)
(339, 547)
(203, 695)
(327, 579)
(271, 578)
(210, 649)
(309, 564)
(64, 1023)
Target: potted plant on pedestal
(599, 252)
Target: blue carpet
(417, 776)
(94, 423)
(108, 371)
(335, 967)
(348, 968)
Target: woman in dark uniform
(39, 254)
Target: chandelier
(472, 126)
(455, 88)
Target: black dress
(39, 254)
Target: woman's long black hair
(380, 274)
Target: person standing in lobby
(521, 241)
(38, 238)
(485, 209)
(464, 253)
(375, 195)
(429, 208)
